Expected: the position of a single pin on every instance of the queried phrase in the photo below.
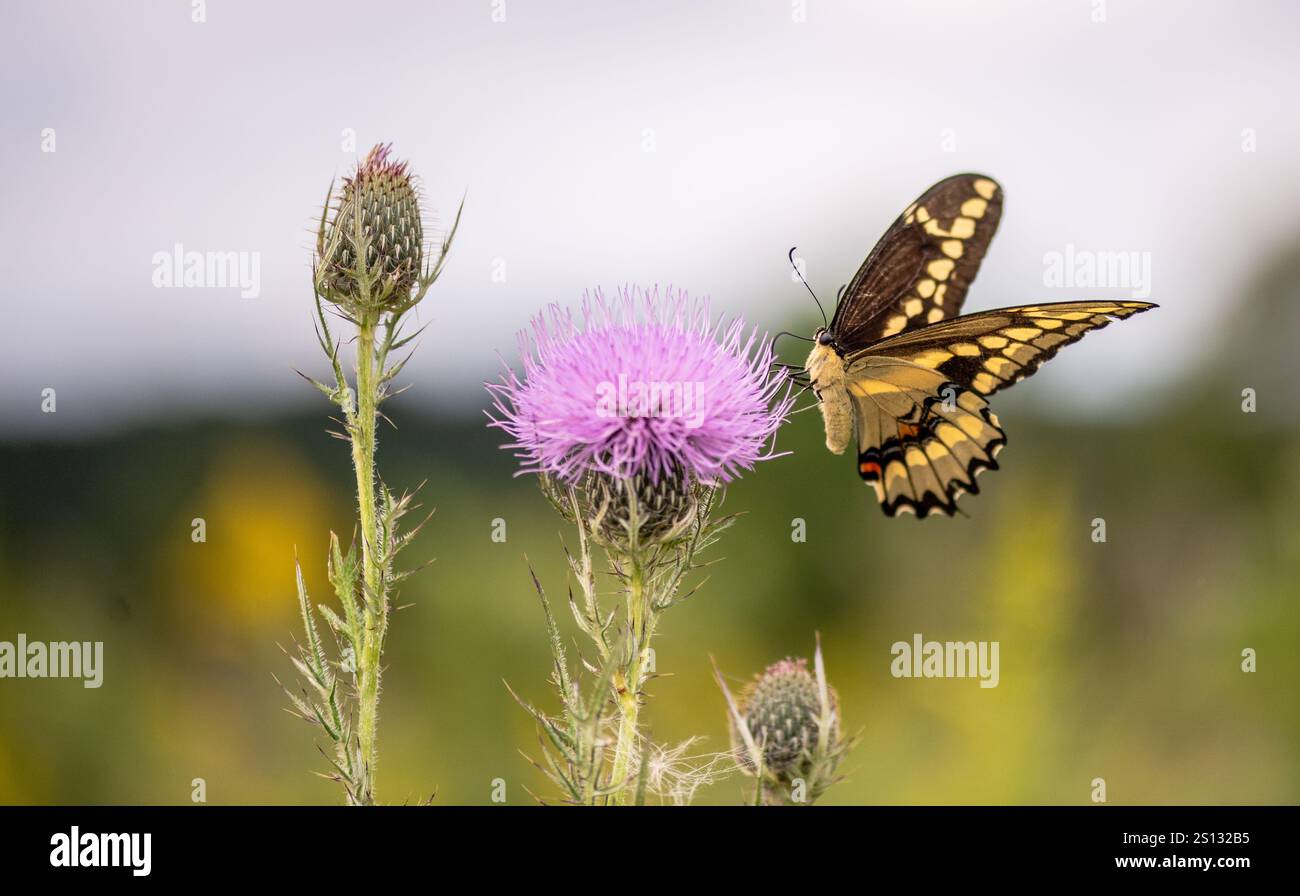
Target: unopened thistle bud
(377, 210)
(785, 729)
(781, 708)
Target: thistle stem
(640, 626)
(375, 599)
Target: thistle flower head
(640, 388)
(370, 246)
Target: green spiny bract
(665, 510)
(377, 210)
(641, 510)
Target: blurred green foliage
(1119, 660)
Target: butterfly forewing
(920, 270)
(991, 350)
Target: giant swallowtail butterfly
(897, 368)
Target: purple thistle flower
(643, 387)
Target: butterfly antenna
(791, 335)
(798, 274)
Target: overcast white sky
(767, 132)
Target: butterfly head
(823, 337)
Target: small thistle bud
(377, 208)
(785, 729)
(781, 708)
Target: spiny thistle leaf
(343, 573)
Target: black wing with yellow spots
(920, 270)
(925, 430)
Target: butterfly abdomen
(826, 375)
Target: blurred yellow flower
(258, 504)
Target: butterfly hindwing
(922, 439)
(925, 429)
(920, 270)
